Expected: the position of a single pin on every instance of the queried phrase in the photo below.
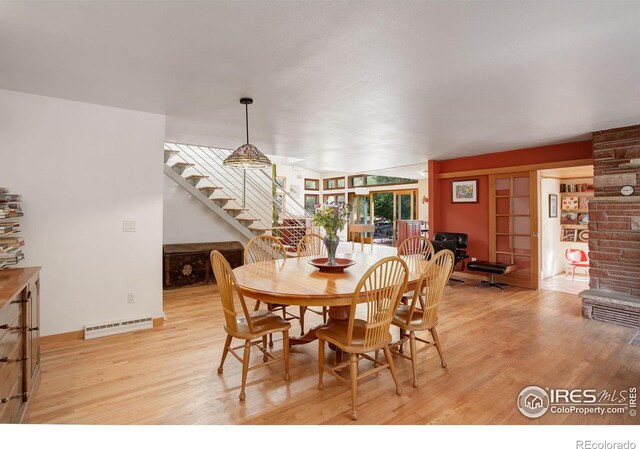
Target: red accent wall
(473, 218)
(468, 218)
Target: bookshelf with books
(574, 212)
(11, 240)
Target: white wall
(82, 169)
(550, 232)
(187, 220)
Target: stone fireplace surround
(614, 229)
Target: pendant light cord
(246, 111)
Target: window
(374, 180)
(311, 184)
(310, 201)
(280, 181)
(334, 198)
(334, 183)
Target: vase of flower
(333, 218)
(331, 241)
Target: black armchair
(456, 242)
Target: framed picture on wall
(553, 205)
(464, 191)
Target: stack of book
(10, 243)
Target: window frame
(315, 181)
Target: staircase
(249, 201)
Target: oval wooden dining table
(294, 282)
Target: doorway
(564, 228)
(382, 209)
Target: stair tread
(247, 218)
(196, 176)
(182, 164)
(233, 208)
(222, 198)
(171, 151)
(210, 187)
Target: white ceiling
(351, 86)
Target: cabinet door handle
(4, 326)
(19, 301)
(5, 400)
(8, 360)
(37, 328)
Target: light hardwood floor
(495, 344)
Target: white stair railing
(260, 213)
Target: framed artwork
(464, 191)
(569, 235)
(569, 202)
(583, 218)
(569, 217)
(294, 190)
(553, 205)
(280, 181)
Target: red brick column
(614, 226)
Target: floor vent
(117, 327)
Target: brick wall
(614, 227)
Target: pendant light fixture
(247, 157)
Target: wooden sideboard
(19, 341)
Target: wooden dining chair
(247, 326)
(416, 246)
(380, 288)
(311, 245)
(263, 248)
(414, 318)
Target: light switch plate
(128, 226)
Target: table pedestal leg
(336, 313)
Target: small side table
(361, 230)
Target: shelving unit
(574, 212)
(11, 241)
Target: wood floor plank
(494, 343)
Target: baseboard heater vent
(618, 316)
(117, 327)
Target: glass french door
(383, 208)
(362, 214)
(513, 226)
(404, 208)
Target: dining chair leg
(436, 340)
(320, 363)
(392, 368)
(264, 348)
(245, 366)
(353, 369)
(271, 340)
(414, 356)
(285, 348)
(324, 314)
(401, 345)
(225, 351)
(303, 310)
(257, 306)
(573, 274)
